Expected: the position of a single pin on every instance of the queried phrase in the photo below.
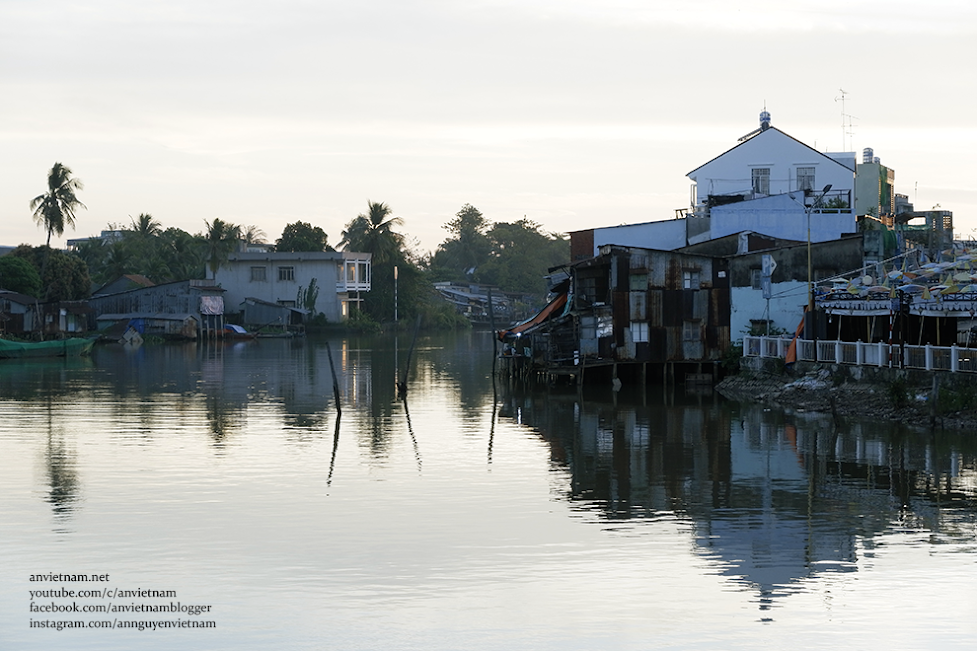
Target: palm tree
(222, 238)
(146, 226)
(371, 233)
(253, 235)
(56, 208)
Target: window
(761, 180)
(805, 178)
(755, 276)
(350, 272)
(286, 273)
(690, 279)
(258, 274)
(690, 331)
(639, 331)
(364, 272)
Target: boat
(72, 347)
(232, 331)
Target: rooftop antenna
(846, 129)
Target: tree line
(512, 256)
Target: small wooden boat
(232, 331)
(73, 347)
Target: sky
(571, 113)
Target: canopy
(554, 306)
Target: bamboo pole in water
(495, 339)
(402, 386)
(335, 381)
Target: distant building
(106, 236)
(277, 278)
(170, 308)
(769, 183)
(875, 189)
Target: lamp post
(810, 278)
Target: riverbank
(912, 398)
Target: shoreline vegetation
(513, 257)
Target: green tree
(521, 256)
(64, 276)
(19, 275)
(145, 227)
(303, 236)
(373, 233)
(459, 257)
(253, 235)
(308, 296)
(56, 208)
(222, 238)
(183, 254)
(94, 251)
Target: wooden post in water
(495, 339)
(402, 385)
(335, 381)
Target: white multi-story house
(341, 278)
(770, 183)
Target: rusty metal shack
(628, 315)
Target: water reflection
(60, 462)
(773, 499)
(769, 499)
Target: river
(471, 515)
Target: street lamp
(810, 280)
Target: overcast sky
(572, 113)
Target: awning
(555, 306)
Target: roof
(16, 297)
(264, 303)
(157, 316)
(298, 256)
(751, 138)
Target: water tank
(764, 120)
(867, 155)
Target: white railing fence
(954, 359)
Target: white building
(341, 276)
(767, 162)
(768, 184)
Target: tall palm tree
(146, 226)
(222, 238)
(56, 208)
(372, 233)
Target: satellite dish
(868, 281)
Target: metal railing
(954, 359)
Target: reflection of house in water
(772, 501)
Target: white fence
(954, 359)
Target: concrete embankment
(917, 398)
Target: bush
(730, 361)
(360, 321)
(898, 392)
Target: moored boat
(72, 347)
(232, 331)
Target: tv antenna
(846, 126)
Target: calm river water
(462, 518)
